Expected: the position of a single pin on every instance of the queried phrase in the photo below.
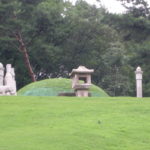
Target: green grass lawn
(60, 123)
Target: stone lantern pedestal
(81, 88)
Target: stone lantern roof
(81, 70)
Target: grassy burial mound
(70, 123)
(52, 87)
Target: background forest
(48, 38)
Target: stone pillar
(138, 74)
(1, 74)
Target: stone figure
(14, 81)
(7, 83)
(1, 74)
(6, 90)
(8, 77)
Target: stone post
(1, 74)
(138, 74)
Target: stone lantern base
(81, 90)
(82, 93)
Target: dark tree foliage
(13, 30)
(59, 36)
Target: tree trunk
(23, 49)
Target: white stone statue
(6, 90)
(7, 83)
(1, 74)
(139, 73)
(14, 81)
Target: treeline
(48, 38)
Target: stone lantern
(81, 87)
(138, 74)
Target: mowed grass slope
(60, 123)
(52, 87)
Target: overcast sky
(112, 5)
